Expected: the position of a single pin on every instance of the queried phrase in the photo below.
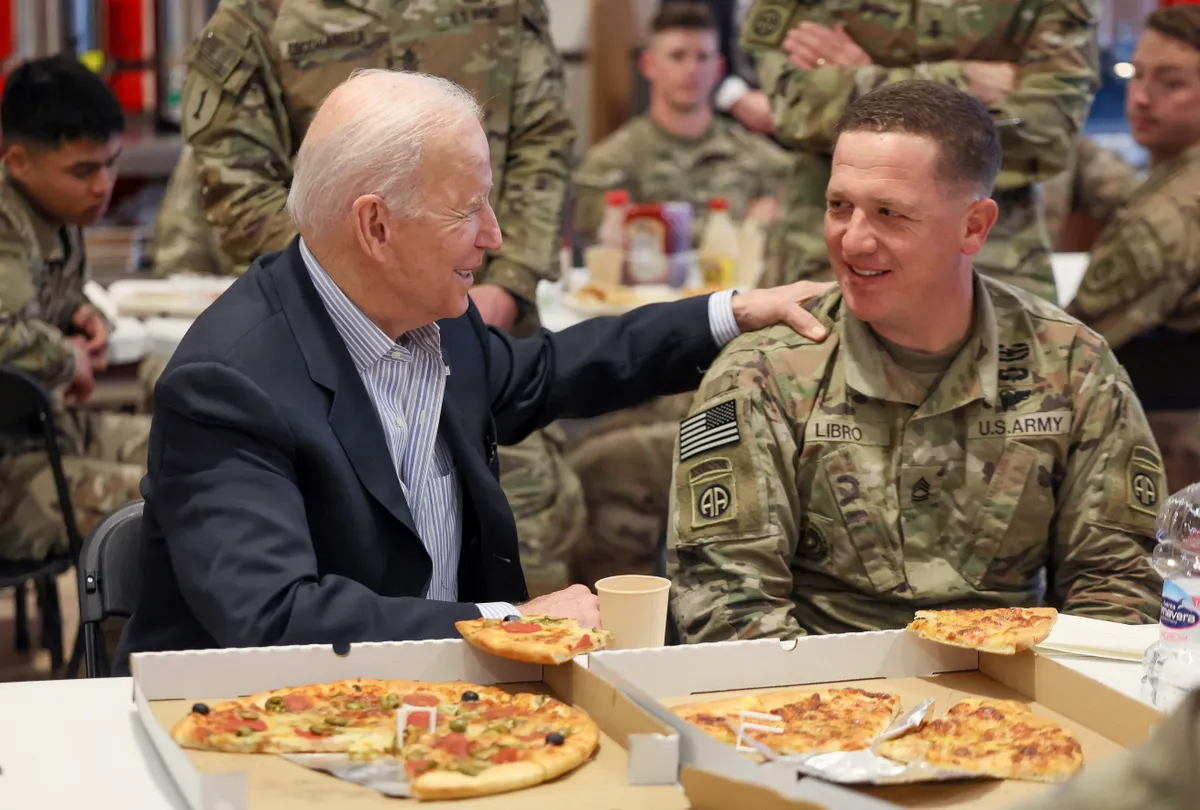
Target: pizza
(535, 639)
(1001, 630)
(809, 721)
(459, 740)
(996, 738)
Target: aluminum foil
(386, 774)
(865, 767)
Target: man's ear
(19, 161)
(646, 64)
(977, 224)
(371, 227)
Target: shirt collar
(366, 342)
(976, 363)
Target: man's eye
(835, 204)
(888, 212)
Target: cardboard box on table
(635, 767)
(714, 775)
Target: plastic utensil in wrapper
(864, 767)
(385, 774)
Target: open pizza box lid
(638, 755)
(715, 775)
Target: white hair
(377, 148)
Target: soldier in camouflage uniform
(988, 452)
(1096, 182)
(681, 150)
(62, 131)
(1034, 64)
(260, 68)
(1142, 287)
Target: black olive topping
(555, 738)
(356, 687)
(469, 697)
(200, 708)
(512, 618)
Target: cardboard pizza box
(715, 775)
(635, 767)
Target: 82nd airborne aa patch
(1146, 480)
(714, 492)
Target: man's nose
(489, 237)
(859, 238)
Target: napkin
(1099, 639)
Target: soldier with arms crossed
(955, 442)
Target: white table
(78, 744)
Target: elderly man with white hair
(322, 462)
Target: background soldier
(1142, 287)
(62, 138)
(1035, 65)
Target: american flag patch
(708, 430)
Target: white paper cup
(634, 608)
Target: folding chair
(109, 580)
(27, 412)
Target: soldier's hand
(84, 381)
(990, 82)
(810, 45)
(753, 111)
(496, 305)
(761, 308)
(89, 321)
(576, 602)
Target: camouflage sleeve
(1059, 72)
(1058, 75)
(27, 343)
(182, 241)
(1103, 182)
(237, 127)
(538, 166)
(734, 510)
(1108, 498)
(1137, 275)
(772, 168)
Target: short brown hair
(1177, 22)
(968, 145)
(688, 16)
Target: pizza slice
(533, 639)
(1000, 739)
(1003, 631)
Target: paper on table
(1099, 639)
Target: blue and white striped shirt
(406, 380)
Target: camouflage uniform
(183, 242)
(820, 489)
(1096, 181)
(655, 166)
(1053, 42)
(260, 69)
(42, 272)
(1142, 292)
(1163, 774)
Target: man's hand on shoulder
(576, 602)
(758, 309)
(496, 305)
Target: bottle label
(1180, 620)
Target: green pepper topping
(353, 705)
(323, 731)
(458, 724)
(390, 701)
(337, 721)
(275, 704)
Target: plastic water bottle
(1171, 666)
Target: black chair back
(109, 579)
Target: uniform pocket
(1008, 541)
(861, 548)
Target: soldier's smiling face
(900, 236)
(1162, 100)
(683, 67)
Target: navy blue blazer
(273, 512)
